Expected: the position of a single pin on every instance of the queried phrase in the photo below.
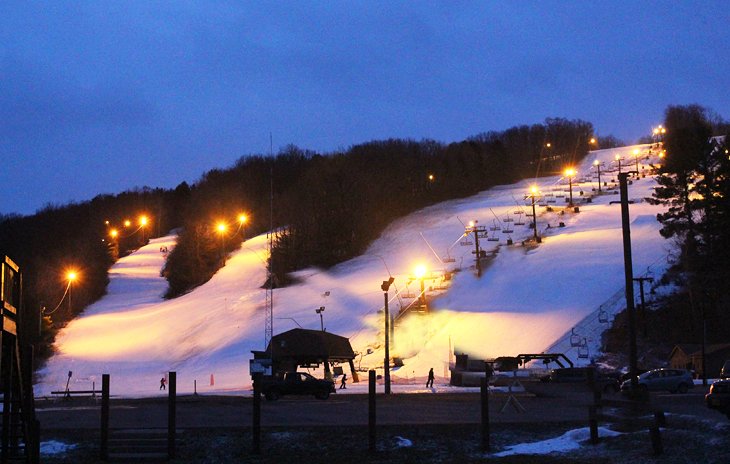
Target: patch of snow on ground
(569, 441)
(52, 447)
(401, 442)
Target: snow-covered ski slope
(527, 300)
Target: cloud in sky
(100, 97)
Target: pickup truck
(296, 383)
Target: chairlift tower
(478, 232)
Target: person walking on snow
(344, 380)
(162, 383)
(429, 382)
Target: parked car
(719, 397)
(671, 380)
(606, 382)
(296, 383)
(725, 371)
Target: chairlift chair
(507, 231)
(583, 350)
(603, 316)
(574, 338)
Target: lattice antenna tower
(269, 326)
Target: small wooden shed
(689, 356)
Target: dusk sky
(101, 96)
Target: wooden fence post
(256, 413)
(485, 414)
(171, 414)
(104, 447)
(371, 412)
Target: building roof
(307, 345)
(690, 349)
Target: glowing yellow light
(431, 177)
(106, 222)
(548, 145)
(570, 172)
(113, 233)
(661, 154)
(242, 218)
(664, 131)
(471, 223)
(617, 157)
(221, 227)
(127, 223)
(636, 152)
(143, 220)
(71, 276)
(420, 271)
(593, 140)
(533, 190)
(596, 162)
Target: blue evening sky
(104, 96)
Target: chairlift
(583, 350)
(507, 231)
(448, 260)
(603, 316)
(466, 243)
(551, 200)
(542, 203)
(493, 239)
(508, 219)
(560, 195)
(574, 338)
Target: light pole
(534, 193)
(618, 160)
(242, 219)
(321, 319)
(570, 173)
(597, 164)
(71, 276)
(386, 364)
(143, 221)
(420, 275)
(636, 156)
(221, 228)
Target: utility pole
(641, 281)
(629, 278)
(386, 364)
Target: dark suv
(296, 383)
(719, 397)
(605, 382)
